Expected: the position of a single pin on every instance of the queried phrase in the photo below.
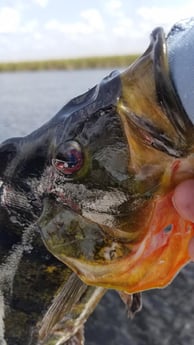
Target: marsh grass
(69, 64)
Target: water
(27, 100)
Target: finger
(183, 199)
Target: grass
(69, 64)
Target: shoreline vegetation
(69, 64)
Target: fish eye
(69, 158)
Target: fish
(86, 203)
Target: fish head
(99, 177)
(83, 148)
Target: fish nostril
(8, 151)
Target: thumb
(183, 199)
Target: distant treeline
(69, 64)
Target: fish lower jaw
(135, 279)
(152, 263)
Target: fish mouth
(66, 231)
(152, 113)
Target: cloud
(114, 9)
(41, 3)
(72, 29)
(123, 27)
(9, 20)
(133, 28)
(90, 22)
(152, 16)
(94, 19)
(113, 5)
(109, 27)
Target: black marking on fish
(168, 228)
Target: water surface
(28, 99)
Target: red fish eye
(69, 159)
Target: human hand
(183, 201)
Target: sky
(47, 29)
